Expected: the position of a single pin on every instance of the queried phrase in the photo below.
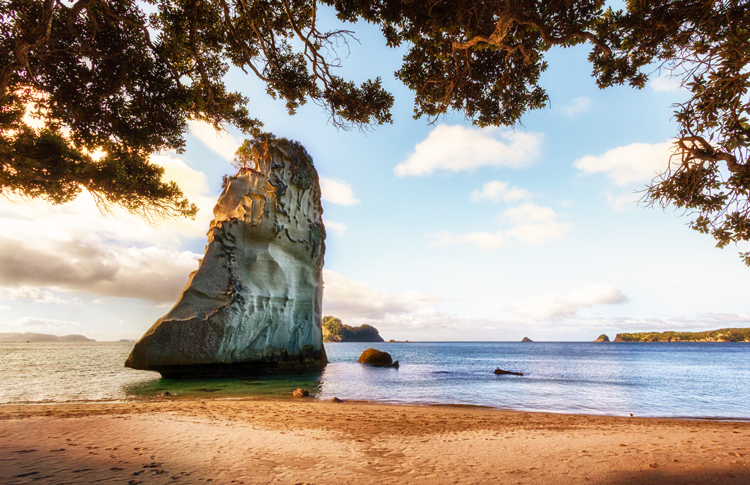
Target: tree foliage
(106, 76)
(485, 58)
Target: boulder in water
(254, 304)
(376, 358)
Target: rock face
(602, 338)
(254, 304)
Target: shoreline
(313, 399)
(310, 441)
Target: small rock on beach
(299, 392)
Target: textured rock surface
(254, 304)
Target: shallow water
(646, 379)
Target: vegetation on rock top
(721, 335)
(336, 331)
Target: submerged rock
(501, 372)
(377, 358)
(254, 304)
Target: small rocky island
(254, 304)
(336, 331)
(527, 340)
(602, 338)
(721, 335)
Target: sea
(695, 380)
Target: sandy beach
(306, 441)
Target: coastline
(308, 441)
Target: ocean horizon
(651, 379)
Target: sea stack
(602, 338)
(254, 304)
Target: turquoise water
(647, 379)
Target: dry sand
(305, 441)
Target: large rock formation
(254, 304)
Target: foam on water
(646, 379)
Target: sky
(437, 231)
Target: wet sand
(311, 442)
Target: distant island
(335, 331)
(41, 337)
(602, 338)
(527, 339)
(721, 335)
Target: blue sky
(435, 232)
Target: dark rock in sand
(299, 392)
(335, 399)
(377, 358)
(527, 339)
(501, 372)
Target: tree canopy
(105, 75)
(485, 58)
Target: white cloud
(337, 192)
(40, 295)
(353, 299)
(336, 227)
(639, 162)
(665, 84)
(576, 107)
(498, 191)
(151, 273)
(622, 202)
(532, 226)
(484, 240)
(568, 304)
(73, 247)
(530, 213)
(221, 143)
(539, 234)
(41, 325)
(456, 148)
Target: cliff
(41, 337)
(335, 331)
(721, 335)
(254, 304)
